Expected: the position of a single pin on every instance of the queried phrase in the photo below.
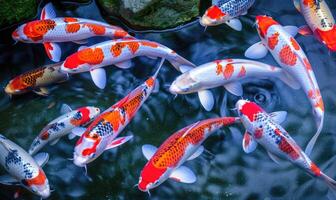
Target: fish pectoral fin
(54, 141)
(65, 108)
(223, 107)
(197, 153)
(8, 180)
(41, 158)
(48, 12)
(78, 131)
(124, 65)
(53, 51)
(156, 86)
(152, 57)
(292, 30)
(99, 77)
(305, 30)
(41, 91)
(289, 80)
(82, 47)
(71, 136)
(118, 141)
(275, 158)
(297, 5)
(234, 88)
(185, 68)
(235, 24)
(249, 144)
(183, 174)
(148, 151)
(256, 51)
(207, 99)
(84, 41)
(279, 116)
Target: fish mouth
(45, 193)
(79, 161)
(205, 21)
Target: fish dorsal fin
(297, 5)
(305, 30)
(118, 141)
(8, 180)
(54, 141)
(256, 51)
(65, 108)
(183, 174)
(249, 144)
(234, 88)
(275, 158)
(41, 158)
(197, 153)
(148, 151)
(207, 99)
(235, 24)
(279, 116)
(289, 80)
(292, 30)
(189, 129)
(48, 12)
(99, 77)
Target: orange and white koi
(186, 144)
(101, 135)
(63, 125)
(226, 11)
(23, 169)
(228, 73)
(264, 129)
(49, 30)
(320, 20)
(36, 80)
(290, 56)
(118, 53)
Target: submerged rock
(154, 14)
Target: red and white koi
(23, 169)
(118, 53)
(320, 20)
(186, 144)
(49, 30)
(63, 125)
(264, 129)
(101, 135)
(290, 56)
(36, 80)
(226, 12)
(228, 73)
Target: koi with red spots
(226, 11)
(229, 73)
(265, 129)
(49, 30)
(320, 20)
(63, 125)
(23, 169)
(289, 55)
(186, 144)
(101, 135)
(36, 80)
(119, 53)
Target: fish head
(213, 16)
(327, 37)
(86, 148)
(151, 176)
(39, 185)
(84, 115)
(263, 23)
(83, 60)
(93, 112)
(184, 84)
(248, 112)
(16, 86)
(34, 31)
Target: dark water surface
(224, 171)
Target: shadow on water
(225, 172)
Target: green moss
(159, 14)
(13, 11)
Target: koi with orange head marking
(226, 12)
(265, 129)
(167, 160)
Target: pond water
(224, 171)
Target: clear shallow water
(224, 171)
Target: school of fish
(99, 131)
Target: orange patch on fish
(219, 68)
(307, 64)
(115, 118)
(315, 169)
(40, 179)
(228, 71)
(116, 49)
(71, 27)
(295, 44)
(133, 103)
(273, 40)
(27, 79)
(214, 12)
(91, 56)
(120, 33)
(133, 46)
(149, 44)
(96, 29)
(287, 56)
(242, 72)
(150, 82)
(35, 30)
(45, 135)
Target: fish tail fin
(331, 183)
(159, 67)
(289, 80)
(312, 141)
(181, 64)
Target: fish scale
(234, 7)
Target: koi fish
(63, 125)
(320, 20)
(36, 80)
(186, 144)
(226, 12)
(49, 30)
(264, 129)
(23, 169)
(118, 53)
(101, 135)
(290, 56)
(227, 73)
